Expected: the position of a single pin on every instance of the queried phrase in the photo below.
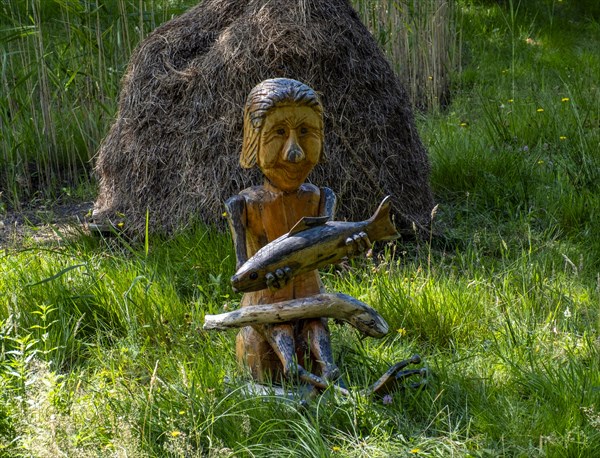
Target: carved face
(291, 142)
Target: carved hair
(262, 99)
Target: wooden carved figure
(283, 135)
(283, 231)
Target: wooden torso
(271, 213)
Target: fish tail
(380, 224)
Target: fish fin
(307, 222)
(382, 226)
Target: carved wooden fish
(312, 243)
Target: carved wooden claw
(278, 279)
(357, 243)
(319, 383)
(394, 375)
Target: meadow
(102, 351)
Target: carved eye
(253, 276)
(281, 131)
(303, 130)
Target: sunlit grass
(508, 341)
(102, 351)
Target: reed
(61, 64)
(422, 42)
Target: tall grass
(61, 66)
(421, 40)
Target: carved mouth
(287, 177)
(295, 174)
(235, 282)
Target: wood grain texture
(339, 306)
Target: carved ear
(250, 143)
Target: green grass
(110, 356)
(101, 347)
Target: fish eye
(253, 276)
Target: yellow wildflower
(511, 100)
(565, 99)
(562, 137)
(540, 110)
(402, 332)
(175, 433)
(415, 450)
(335, 448)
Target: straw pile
(174, 148)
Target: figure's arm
(236, 217)
(328, 203)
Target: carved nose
(294, 153)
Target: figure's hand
(357, 244)
(279, 278)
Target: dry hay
(175, 145)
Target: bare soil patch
(41, 223)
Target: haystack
(173, 150)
